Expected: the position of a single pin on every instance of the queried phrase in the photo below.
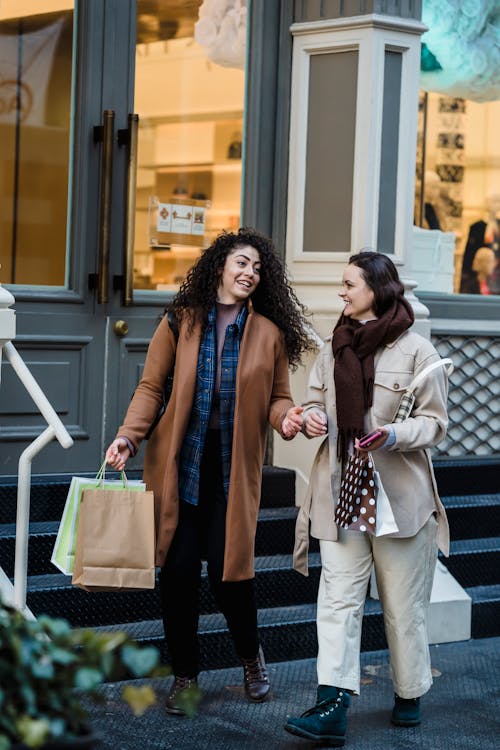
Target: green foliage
(45, 666)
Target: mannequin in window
(483, 266)
(436, 203)
(432, 218)
(483, 234)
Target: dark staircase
(470, 491)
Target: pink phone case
(367, 440)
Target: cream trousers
(404, 569)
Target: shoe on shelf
(174, 702)
(406, 712)
(255, 678)
(327, 720)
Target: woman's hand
(315, 424)
(117, 454)
(378, 443)
(292, 423)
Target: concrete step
(276, 584)
(475, 562)
(468, 476)
(48, 493)
(286, 600)
(485, 611)
(275, 536)
(286, 633)
(289, 633)
(473, 516)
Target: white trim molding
(370, 36)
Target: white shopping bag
(385, 522)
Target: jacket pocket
(387, 391)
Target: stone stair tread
(465, 501)
(278, 616)
(287, 614)
(484, 593)
(269, 514)
(51, 527)
(271, 562)
(483, 544)
(274, 562)
(35, 528)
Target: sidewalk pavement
(461, 711)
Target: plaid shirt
(194, 439)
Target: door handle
(104, 133)
(120, 328)
(128, 138)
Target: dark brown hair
(381, 275)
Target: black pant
(200, 534)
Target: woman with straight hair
(354, 388)
(228, 337)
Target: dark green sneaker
(406, 712)
(327, 720)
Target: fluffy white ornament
(221, 31)
(464, 36)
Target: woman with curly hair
(231, 331)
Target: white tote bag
(385, 522)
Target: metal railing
(16, 593)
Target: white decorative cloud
(221, 30)
(464, 36)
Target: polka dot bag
(357, 504)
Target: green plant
(46, 667)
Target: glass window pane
(458, 192)
(190, 97)
(35, 104)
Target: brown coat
(262, 395)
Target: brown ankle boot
(255, 678)
(180, 684)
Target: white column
(316, 275)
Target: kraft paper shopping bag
(115, 547)
(63, 554)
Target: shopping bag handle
(101, 475)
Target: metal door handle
(104, 133)
(120, 328)
(128, 138)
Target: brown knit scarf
(354, 345)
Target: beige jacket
(405, 468)
(262, 396)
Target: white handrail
(38, 396)
(55, 429)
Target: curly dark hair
(273, 298)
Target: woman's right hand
(117, 454)
(315, 424)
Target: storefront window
(458, 150)
(189, 94)
(35, 99)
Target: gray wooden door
(82, 246)
(65, 320)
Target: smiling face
(240, 276)
(358, 297)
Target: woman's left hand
(292, 423)
(378, 443)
